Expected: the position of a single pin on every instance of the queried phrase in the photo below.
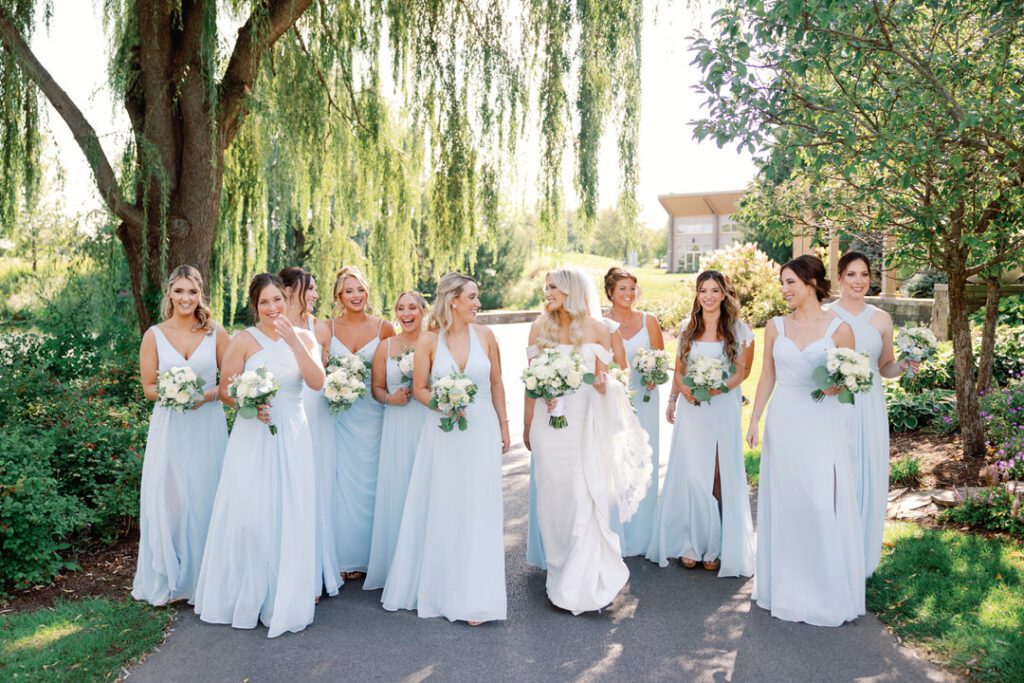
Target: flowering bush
(996, 509)
(755, 276)
(1002, 411)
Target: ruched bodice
(794, 366)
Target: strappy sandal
(688, 563)
(712, 565)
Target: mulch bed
(106, 572)
(942, 462)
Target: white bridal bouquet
(652, 366)
(451, 395)
(405, 362)
(844, 368)
(346, 382)
(621, 374)
(179, 389)
(916, 344)
(251, 389)
(707, 373)
(552, 375)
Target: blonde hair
(421, 302)
(352, 272)
(202, 312)
(449, 287)
(575, 284)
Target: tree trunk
(988, 335)
(971, 427)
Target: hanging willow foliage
(341, 131)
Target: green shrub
(671, 311)
(934, 373)
(994, 509)
(1011, 312)
(35, 516)
(905, 471)
(922, 285)
(1008, 354)
(931, 407)
(755, 277)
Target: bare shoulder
(386, 328)
(427, 339)
(484, 332)
(534, 331)
(597, 329)
(652, 321)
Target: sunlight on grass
(958, 595)
(43, 636)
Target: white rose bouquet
(405, 361)
(179, 389)
(652, 366)
(621, 374)
(345, 383)
(552, 375)
(251, 389)
(451, 395)
(705, 374)
(916, 344)
(844, 368)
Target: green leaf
(589, 378)
(846, 396)
(248, 412)
(822, 377)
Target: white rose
(183, 397)
(531, 383)
(574, 379)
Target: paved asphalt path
(667, 625)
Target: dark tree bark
(988, 334)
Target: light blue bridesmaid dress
(321, 428)
(260, 558)
(810, 549)
(635, 534)
(688, 523)
(400, 435)
(450, 557)
(357, 433)
(184, 453)
(868, 421)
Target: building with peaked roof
(699, 222)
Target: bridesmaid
(300, 291)
(639, 330)
(868, 418)
(450, 557)
(184, 451)
(810, 548)
(357, 431)
(260, 557)
(704, 512)
(400, 434)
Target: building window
(695, 228)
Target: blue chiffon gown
(635, 535)
(400, 435)
(450, 557)
(321, 429)
(357, 435)
(184, 454)
(260, 558)
(688, 523)
(868, 422)
(810, 549)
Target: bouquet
(405, 362)
(252, 389)
(551, 375)
(622, 375)
(843, 368)
(345, 383)
(652, 366)
(916, 344)
(451, 395)
(179, 389)
(707, 373)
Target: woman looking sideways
(260, 557)
(810, 550)
(450, 557)
(184, 450)
(400, 434)
(638, 330)
(704, 512)
(868, 418)
(357, 431)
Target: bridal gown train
(810, 550)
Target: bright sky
(670, 160)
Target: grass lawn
(957, 595)
(87, 640)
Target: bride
(600, 461)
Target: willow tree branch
(259, 33)
(81, 129)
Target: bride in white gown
(601, 460)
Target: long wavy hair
(299, 281)
(449, 287)
(339, 280)
(729, 314)
(202, 312)
(579, 291)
